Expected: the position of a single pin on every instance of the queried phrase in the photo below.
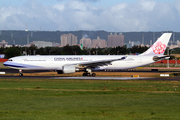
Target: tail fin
(159, 47)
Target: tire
(20, 74)
(84, 74)
(93, 74)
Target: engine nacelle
(67, 69)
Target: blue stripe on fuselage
(19, 65)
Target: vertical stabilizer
(159, 47)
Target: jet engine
(67, 69)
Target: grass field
(29, 99)
(2, 66)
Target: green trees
(12, 52)
(71, 50)
(2, 49)
(138, 49)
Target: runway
(90, 78)
(102, 78)
(85, 78)
(33, 71)
(74, 78)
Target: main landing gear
(20, 73)
(88, 73)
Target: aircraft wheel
(84, 74)
(20, 74)
(93, 74)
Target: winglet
(159, 47)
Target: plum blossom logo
(158, 48)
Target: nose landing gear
(20, 73)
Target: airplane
(64, 64)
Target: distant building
(68, 39)
(3, 43)
(137, 43)
(173, 46)
(55, 44)
(132, 43)
(128, 45)
(178, 43)
(63, 40)
(86, 42)
(101, 43)
(150, 42)
(115, 40)
(42, 44)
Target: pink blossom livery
(158, 48)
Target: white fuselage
(57, 62)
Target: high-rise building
(68, 39)
(101, 43)
(74, 40)
(63, 40)
(86, 42)
(115, 40)
(178, 43)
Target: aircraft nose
(5, 63)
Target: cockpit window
(10, 60)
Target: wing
(94, 64)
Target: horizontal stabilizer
(156, 58)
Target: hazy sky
(108, 15)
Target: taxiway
(91, 78)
